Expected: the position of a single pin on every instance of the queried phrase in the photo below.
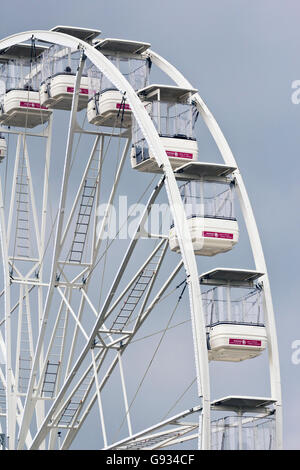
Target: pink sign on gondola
(82, 91)
(122, 106)
(228, 236)
(29, 104)
(244, 342)
(171, 153)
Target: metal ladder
(2, 400)
(25, 356)
(136, 292)
(73, 406)
(85, 212)
(22, 240)
(54, 360)
(48, 387)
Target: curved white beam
(10, 395)
(175, 202)
(252, 229)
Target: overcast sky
(242, 56)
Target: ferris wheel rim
(186, 252)
(175, 201)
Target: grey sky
(242, 56)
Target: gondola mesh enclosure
(243, 433)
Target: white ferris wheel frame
(180, 223)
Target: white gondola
(173, 115)
(210, 236)
(107, 106)
(20, 103)
(208, 198)
(58, 70)
(57, 93)
(234, 315)
(22, 108)
(248, 424)
(109, 109)
(3, 148)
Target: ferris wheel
(84, 128)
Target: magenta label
(170, 153)
(228, 236)
(244, 342)
(82, 91)
(29, 104)
(122, 106)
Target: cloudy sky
(242, 56)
